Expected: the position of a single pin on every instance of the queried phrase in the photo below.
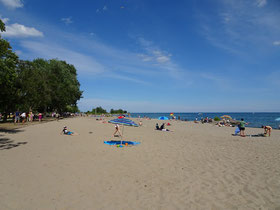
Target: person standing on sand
(40, 117)
(117, 130)
(23, 115)
(17, 116)
(242, 127)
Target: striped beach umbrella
(123, 121)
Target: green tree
(72, 108)
(64, 86)
(99, 110)
(119, 111)
(33, 86)
(9, 94)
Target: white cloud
(18, 30)
(241, 27)
(162, 59)
(18, 52)
(276, 43)
(153, 53)
(261, 3)
(67, 20)
(103, 9)
(12, 3)
(5, 20)
(84, 64)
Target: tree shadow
(6, 143)
(10, 130)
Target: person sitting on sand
(117, 130)
(267, 129)
(165, 129)
(157, 127)
(66, 132)
(162, 126)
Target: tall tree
(9, 94)
(65, 88)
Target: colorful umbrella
(226, 117)
(163, 118)
(123, 121)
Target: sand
(193, 167)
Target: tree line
(100, 110)
(38, 86)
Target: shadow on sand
(6, 143)
(10, 130)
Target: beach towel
(113, 142)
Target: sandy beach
(196, 166)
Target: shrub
(217, 118)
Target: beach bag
(237, 130)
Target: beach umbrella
(163, 118)
(226, 117)
(277, 119)
(123, 121)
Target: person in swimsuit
(267, 129)
(117, 130)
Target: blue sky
(157, 55)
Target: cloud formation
(12, 3)
(261, 3)
(67, 20)
(153, 53)
(242, 26)
(85, 64)
(276, 43)
(18, 30)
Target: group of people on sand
(241, 129)
(24, 117)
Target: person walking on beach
(242, 127)
(267, 129)
(40, 116)
(117, 127)
(23, 115)
(17, 116)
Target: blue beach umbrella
(123, 121)
(163, 118)
(277, 119)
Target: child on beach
(66, 132)
(117, 127)
(242, 124)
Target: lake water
(256, 119)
